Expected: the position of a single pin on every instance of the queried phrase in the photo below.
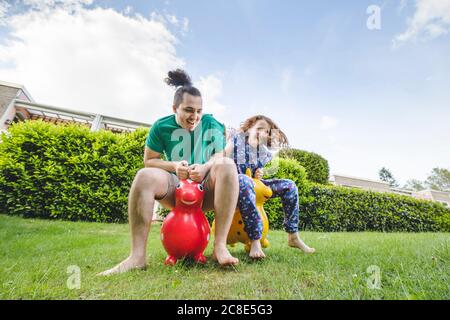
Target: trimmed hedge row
(344, 209)
(68, 172)
(316, 166)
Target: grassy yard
(35, 255)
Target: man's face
(189, 112)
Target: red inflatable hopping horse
(185, 231)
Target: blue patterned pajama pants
(285, 189)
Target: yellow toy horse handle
(248, 173)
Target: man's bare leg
(148, 184)
(225, 183)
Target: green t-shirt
(176, 144)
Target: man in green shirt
(191, 144)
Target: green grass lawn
(35, 255)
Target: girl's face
(259, 132)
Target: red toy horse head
(189, 195)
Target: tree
(386, 176)
(439, 179)
(415, 185)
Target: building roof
(435, 191)
(17, 86)
(357, 178)
(15, 97)
(62, 115)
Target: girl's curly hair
(275, 131)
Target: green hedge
(316, 166)
(67, 171)
(331, 208)
(344, 209)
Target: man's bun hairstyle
(180, 79)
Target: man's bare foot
(126, 265)
(295, 242)
(256, 250)
(224, 257)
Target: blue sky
(334, 86)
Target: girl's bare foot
(224, 257)
(256, 250)
(295, 242)
(128, 264)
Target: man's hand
(259, 173)
(197, 172)
(182, 169)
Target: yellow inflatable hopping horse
(237, 233)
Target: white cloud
(68, 5)
(128, 10)
(157, 17)
(431, 19)
(95, 60)
(435, 30)
(211, 89)
(92, 60)
(185, 25)
(172, 19)
(327, 122)
(4, 6)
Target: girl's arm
(265, 156)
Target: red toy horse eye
(179, 186)
(200, 187)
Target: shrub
(285, 169)
(67, 171)
(316, 166)
(344, 209)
